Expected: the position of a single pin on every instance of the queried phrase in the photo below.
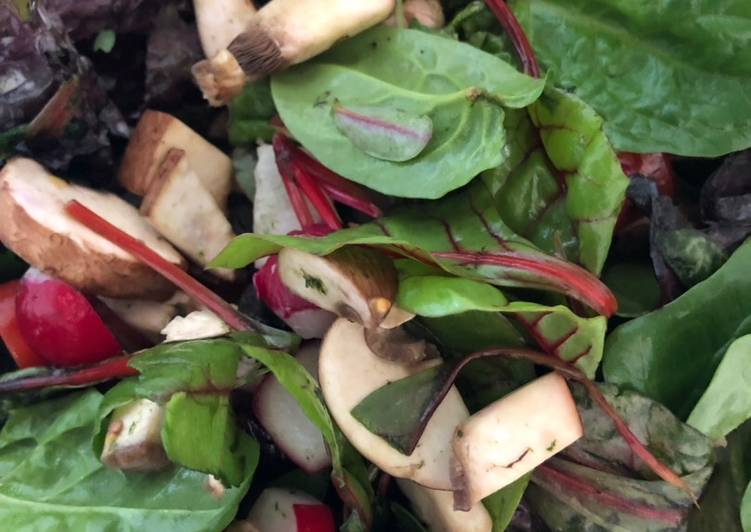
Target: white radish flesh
(272, 211)
(515, 434)
(436, 509)
(274, 511)
(349, 372)
(284, 420)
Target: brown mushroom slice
(134, 438)
(219, 21)
(155, 134)
(436, 509)
(348, 372)
(185, 213)
(354, 282)
(35, 226)
(512, 436)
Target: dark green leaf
(503, 503)
(250, 113)
(461, 89)
(691, 255)
(746, 510)
(634, 286)
(726, 403)
(384, 132)
(50, 480)
(671, 354)
(561, 185)
(647, 68)
(461, 233)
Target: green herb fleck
(550, 447)
(314, 282)
(105, 41)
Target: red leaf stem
(317, 197)
(296, 198)
(171, 272)
(113, 368)
(511, 25)
(567, 277)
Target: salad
(385, 265)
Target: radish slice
(282, 510)
(35, 225)
(306, 319)
(349, 371)
(60, 324)
(282, 418)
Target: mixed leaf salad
(388, 265)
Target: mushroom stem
(174, 274)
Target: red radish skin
(60, 324)
(15, 342)
(284, 510)
(313, 518)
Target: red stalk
(296, 198)
(583, 490)
(511, 25)
(138, 249)
(319, 200)
(569, 278)
(340, 189)
(113, 368)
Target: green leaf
(384, 132)
(349, 474)
(635, 287)
(647, 68)
(462, 234)
(649, 354)
(726, 403)
(461, 89)
(692, 255)
(105, 41)
(250, 113)
(561, 184)
(50, 480)
(556, 329)
(503, 503)
(193, 381)
(601, 485)
(746, 510)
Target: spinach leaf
(726, 403)
(558, 330)
(647, 67)
(634, 286)
(193, 380)
(462, 234)
(461, 89)
(50, 479)
(349, 475)
(503, 503)
(606, 487)
(560, 185)
(719, 507)
(249, 115)
(746, 510)
(671, 354)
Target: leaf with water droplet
(384, 132)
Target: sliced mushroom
(219, 21)
(196, 325)
(436, 509)
(185, 213)
(348, 372)
(354, 282)
(35, 226)
(512, 436)
(398, 346)
(133, 441)
(155, 134)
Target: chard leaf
(557, 330)
(606, 487)
(726, 403)
(461, 89)
(349, 475)
(249, 115)
(503, 503)
(647, 67)
(383, 132)
(462, 234)
(51, 480)
(746, 509)
(635, 287)
(561, 184)
(193, 381)
(648, 354)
